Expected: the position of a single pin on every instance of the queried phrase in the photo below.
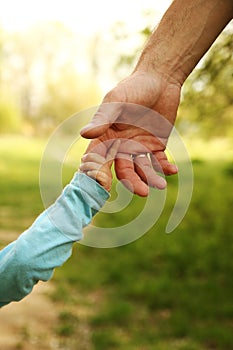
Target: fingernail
(161, 183)
(175, 168)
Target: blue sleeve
(47, 244)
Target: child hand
(98, 167)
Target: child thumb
(112, 151)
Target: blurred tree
(40, 69)
(1, 40)
(10, 117)
(65, 96)
(129, 44)
(207, 98)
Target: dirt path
(29, 324)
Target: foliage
(10, 117)
(207, 96)
(20, 196)
(129, 44)
(207, 104)
(39, 69)
(162, 291)
(65, 95)
(39, 72)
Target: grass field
(163, 291)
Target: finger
(112, 151)
(96, 146)
(92, 173)
(102, 178)
(93, 157)
(125, 172)
(99, 152)
(102, 120)
(159, 161)
(146, 172)
(84, 167)
(96, 174)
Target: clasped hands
(140, 130)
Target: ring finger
(145, 170)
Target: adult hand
(132, 112)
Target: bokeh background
(164, 291)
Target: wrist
(185, 33)
(165, 70)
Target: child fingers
(92, 173)
(89, 166)
(96, 146)
(101, 177)
(112, 151)
(97, 158)
(93, 157)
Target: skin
(97, 166)
(185, 33)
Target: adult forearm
(185, 33)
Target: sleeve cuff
(92, 192)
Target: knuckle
(114, 95)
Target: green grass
(20, 199)
(163, 291)
(20, 196)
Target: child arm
(48, 243)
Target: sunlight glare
(86, 17)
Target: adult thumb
(105, 116)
